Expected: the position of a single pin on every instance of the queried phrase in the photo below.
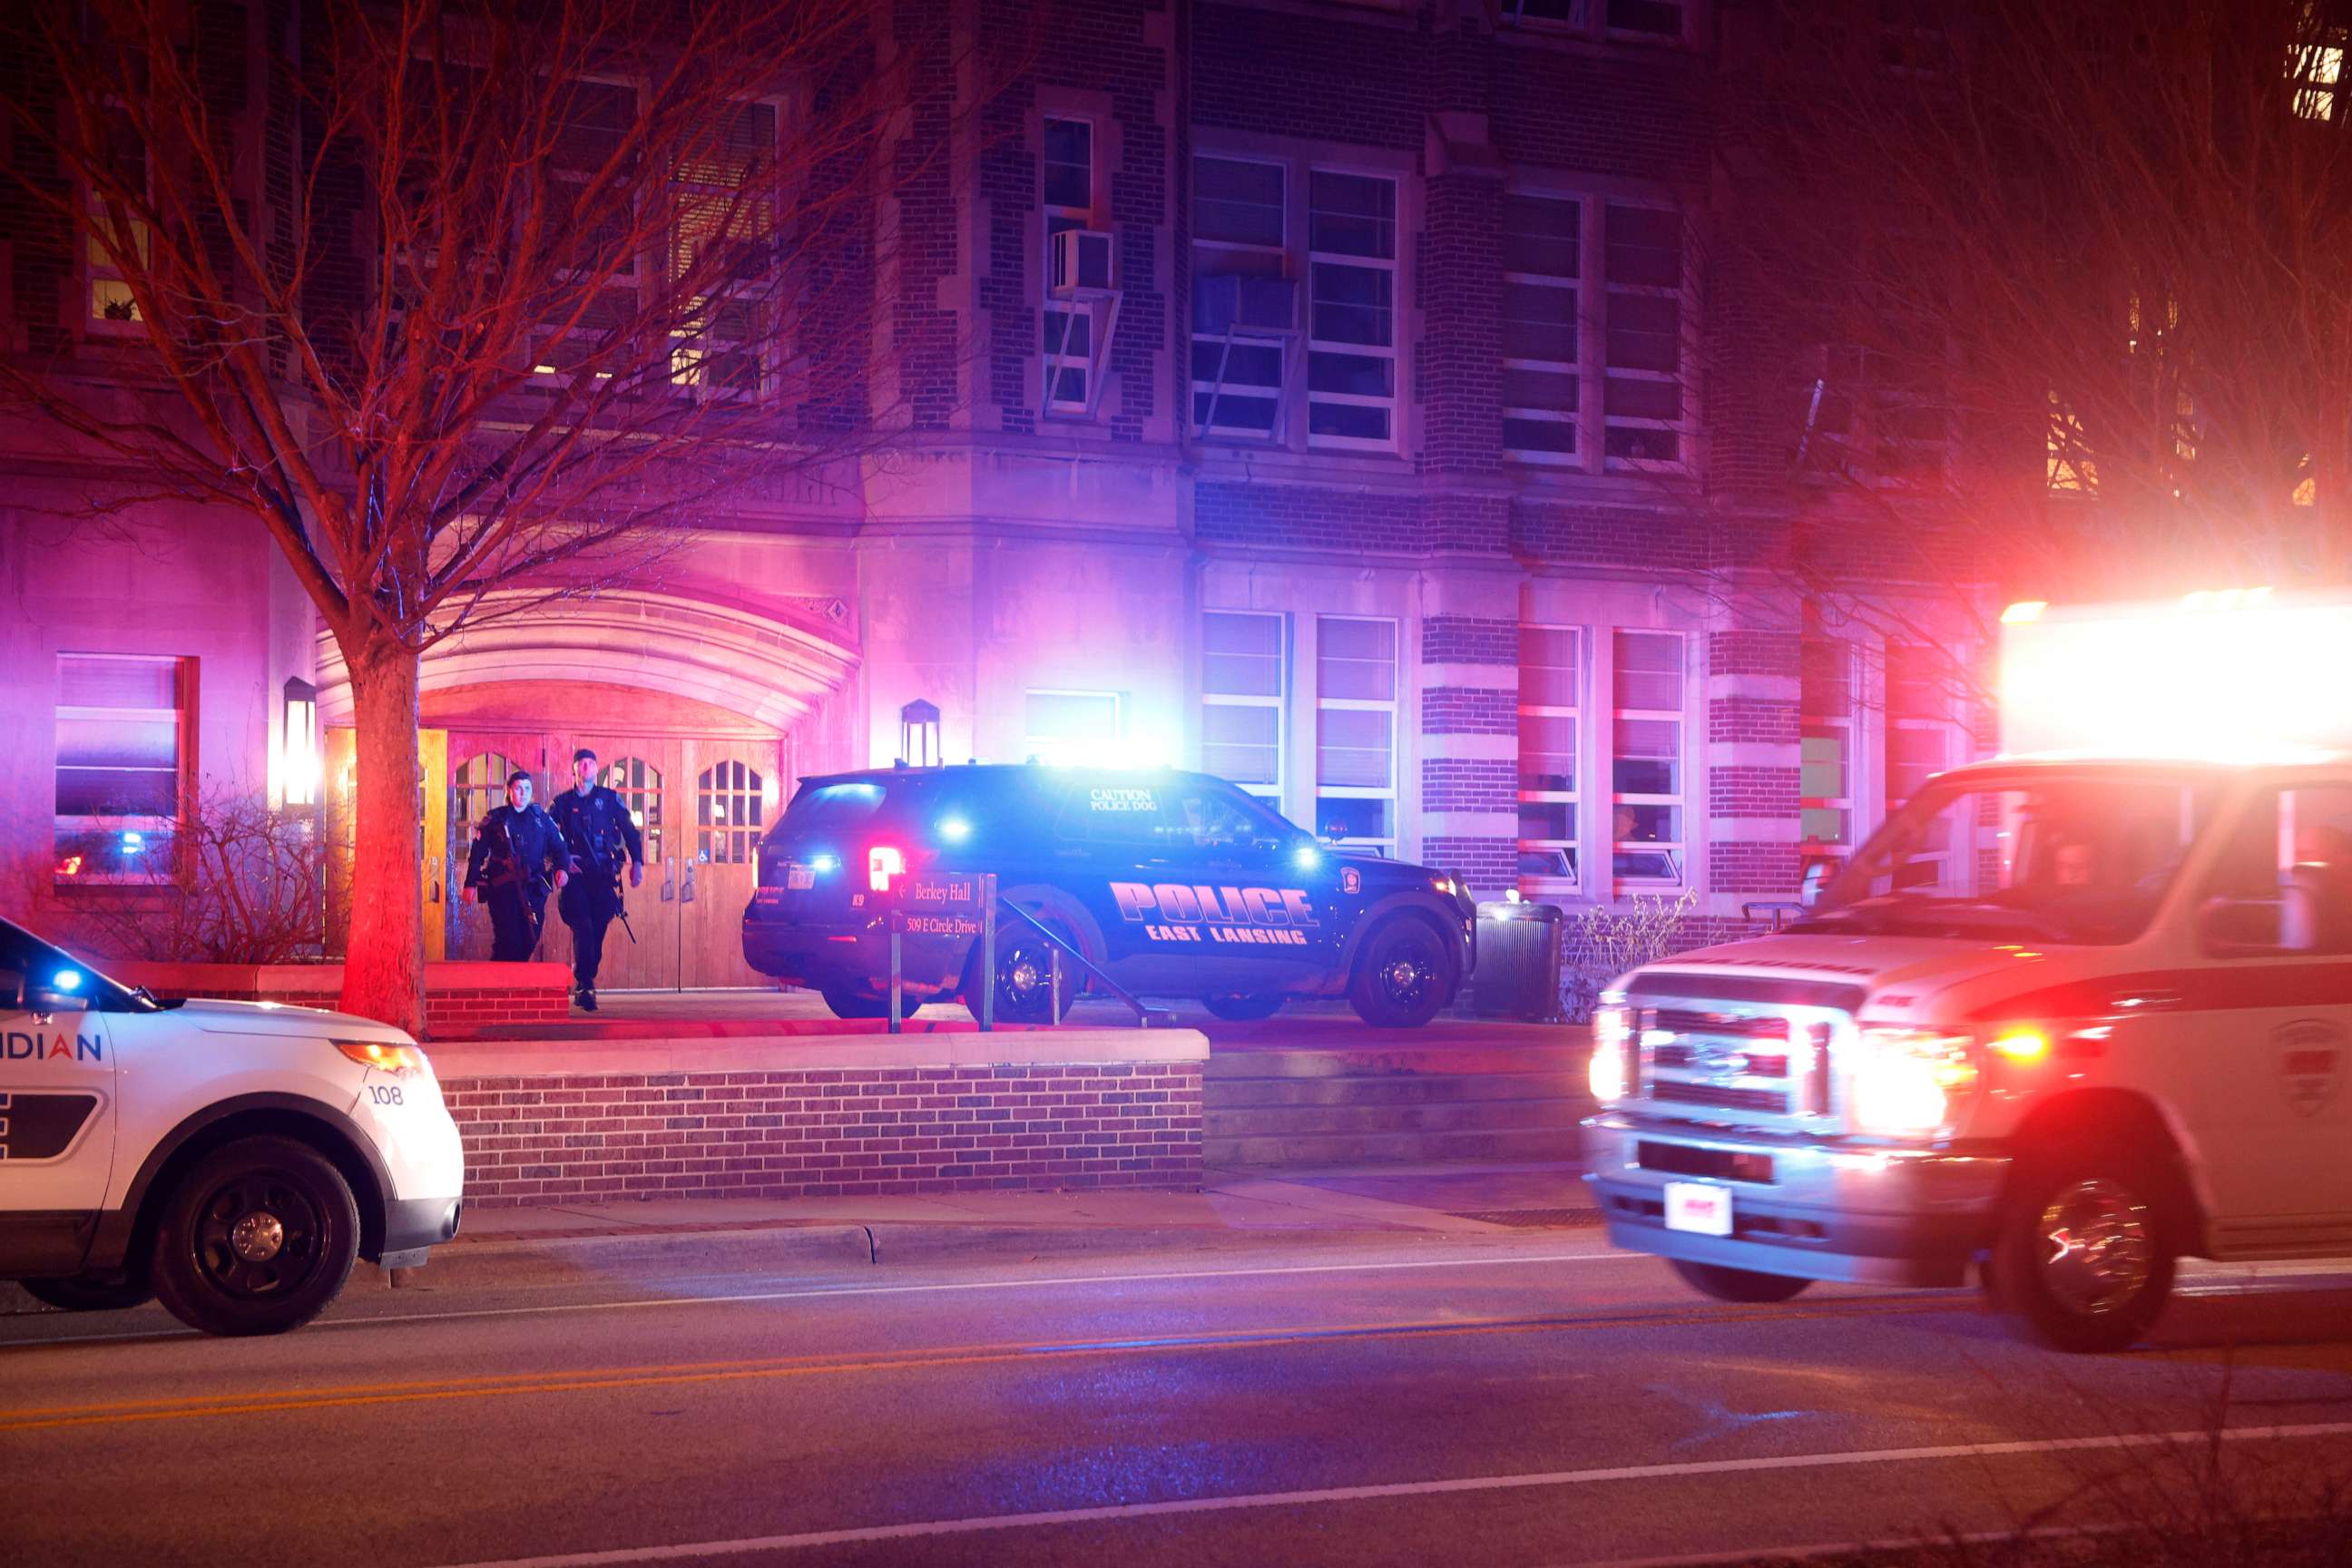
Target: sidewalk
(1233, 1209)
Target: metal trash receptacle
(1518, 963)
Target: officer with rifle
(599, 834)
(517, 853)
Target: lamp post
(919, 734)
(298, 744)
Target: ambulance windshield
(2073, 858)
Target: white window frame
(1278, 703)
(1570, 880)
(183, 679)
(1814, 721)
(1676, 849)
(1395, 402)
(1204, 251)
(1573, 368)
(1685, 297)
(1059, 362)
(1393, 708)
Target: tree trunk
(383, 969)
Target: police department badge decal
(2310, 1063)
(1350, 879)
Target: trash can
(1518, 963)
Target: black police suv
(1175, 884)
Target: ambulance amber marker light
(2022, 1045)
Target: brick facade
(833, 1133)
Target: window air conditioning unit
(1080, 263)
(1245, 303)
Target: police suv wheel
(257, 1238)
(1402, 977)
(848, 1003)
(88, 1295)
(1737, 1284)
(1243, 1009)
(2083, 1256)
(1024, 971)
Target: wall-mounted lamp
(919, 734)
(299, 742)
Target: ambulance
(229, 1159)
(2070, 1015)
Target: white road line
(1402, 1489)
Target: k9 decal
(41, 1126)
(1174, 911)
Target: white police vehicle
(229, 1159)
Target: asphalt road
(1532, 1399)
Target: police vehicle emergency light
(1173, 884)
(2066, 1018)
(228, 1158)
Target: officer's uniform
(596, 828)
(516, 856)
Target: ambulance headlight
(1611, 1071)
(1911, 1082)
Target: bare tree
(531, 285)
(248, 889)
(2057, 297)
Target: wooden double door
(701, 805)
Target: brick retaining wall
(461, 995)
(827, 1132)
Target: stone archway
(671, 685)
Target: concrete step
(1382, 1060)
(1400, 1089)
(1330, 1150)
(1458, 1116)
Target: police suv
(228, 1158)
(2063, 1020)
(1176, 884)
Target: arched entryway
(702, 718)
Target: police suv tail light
(883, 862)
(1912, 1083)
(397, 1060)
(1610, 1074)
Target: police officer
(518, 852)
(596, 829)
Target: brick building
(1351, 407)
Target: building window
(729, 806)
(1068, 324)
(1351, 365)
(1642, 404)
(1242, 695)
(1355, 730)
(1825, 787)
(121, 767)
(1918, 720)
(596, 119)
(1245, 309)
(1542, 390)
(2316, 63)
(1646, 763)
(108, 305)
(1550, 714)
(725, 235)
(1071, 726)
(1655, 21)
